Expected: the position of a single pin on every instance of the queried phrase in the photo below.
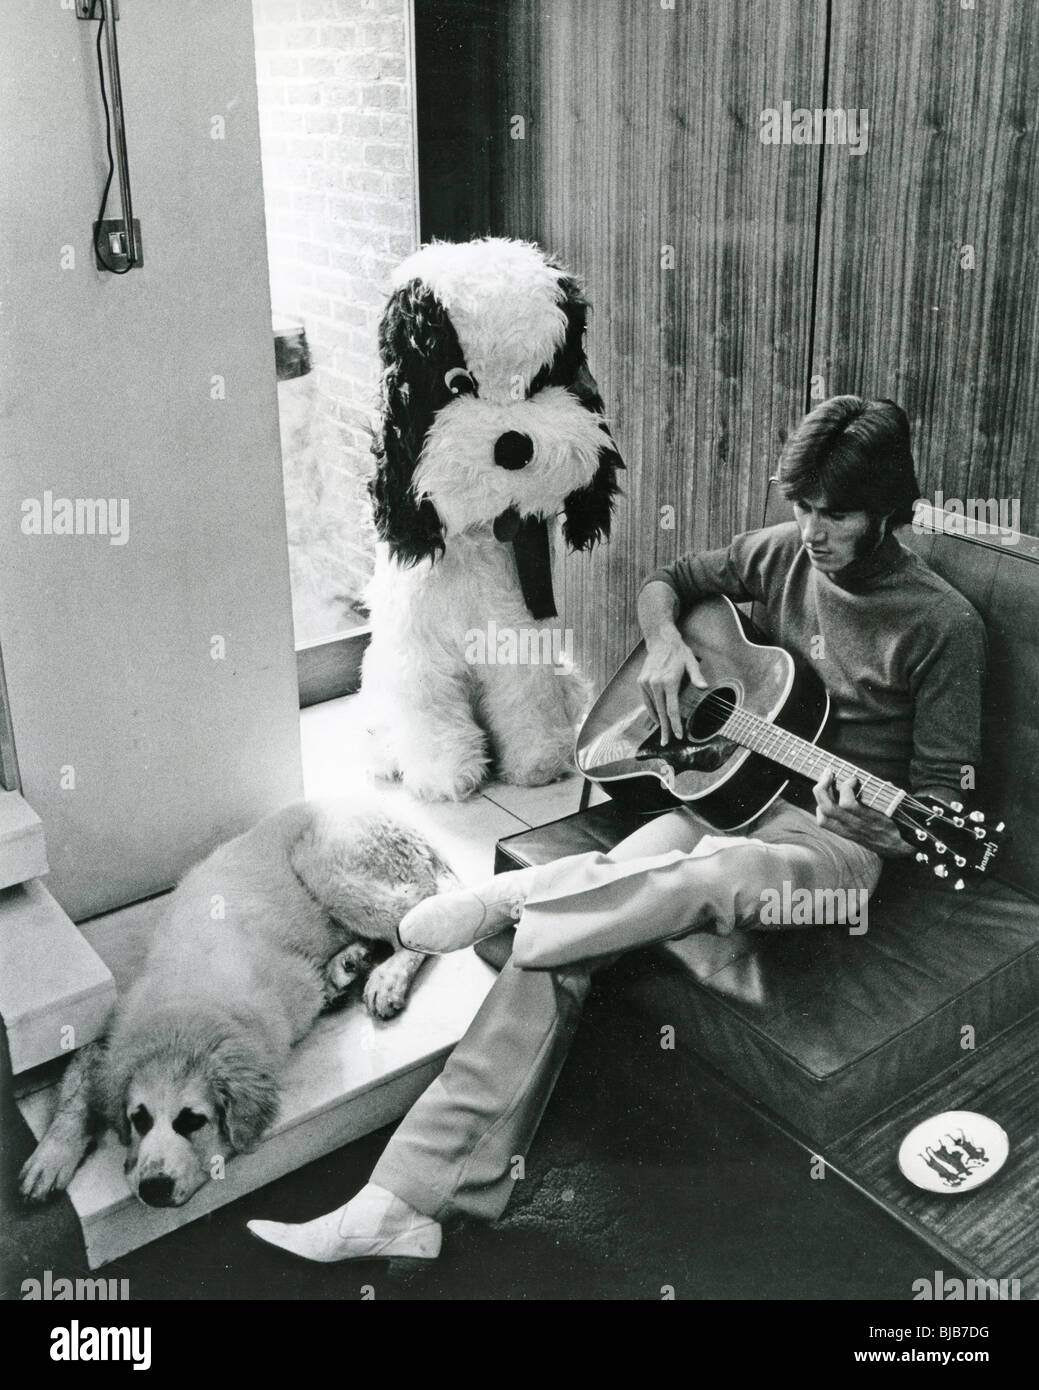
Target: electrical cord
(116, 270)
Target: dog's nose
(513, 450)
(157, 1192)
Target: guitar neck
(797, 754)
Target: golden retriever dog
(256, 940)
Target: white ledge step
(23, 853)
(349, 1076)
(55, 990)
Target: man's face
(832, 538)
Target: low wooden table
(993, 1231)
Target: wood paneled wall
(953, 162)
(641, 166)
(642, 135)
(642, 131)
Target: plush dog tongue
(529, 537)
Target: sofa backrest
(1001, 580)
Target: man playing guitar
(902, 657)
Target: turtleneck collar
(868, 572)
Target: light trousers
(456, 1150)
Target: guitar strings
(717, 704)
(905, 811)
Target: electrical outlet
(110, 243)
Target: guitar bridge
(687, 757)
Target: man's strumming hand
(668, 659)
(845, 815)
(668, 662)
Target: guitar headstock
(951, 841)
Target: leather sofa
(826, 1028)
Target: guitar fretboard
(797, 754)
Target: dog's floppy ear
(112, 1098)
(588, 512)
(418, 345)
(246, 1091)
(109, 1080)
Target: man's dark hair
(857, 454)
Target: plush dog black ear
(588, 512)
(245, 1091)
(418, 345)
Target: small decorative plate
(953, 1152)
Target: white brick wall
(336, 127)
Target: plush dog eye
(141, 1120)
(460, 382)
(187, 1122)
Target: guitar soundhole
(711, 713)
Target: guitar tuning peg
(959, 884)
(939, 847)
(941, 871)
(956, 806)
(979, 832)
(921, 834)
(921, 858)
(1000, 827)
(958, 822)
(977, 817)
(961, 863)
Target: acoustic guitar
(758, 721)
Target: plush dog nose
(513, 450)
(157, 1192)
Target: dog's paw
(48, 1170)
(535, 769)
(379, 763)
(345, 967)
(445, 781)
(386, 990)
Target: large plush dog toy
(492, 427)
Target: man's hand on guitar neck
(846, 815)
(668, 659)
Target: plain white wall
(105, 391)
